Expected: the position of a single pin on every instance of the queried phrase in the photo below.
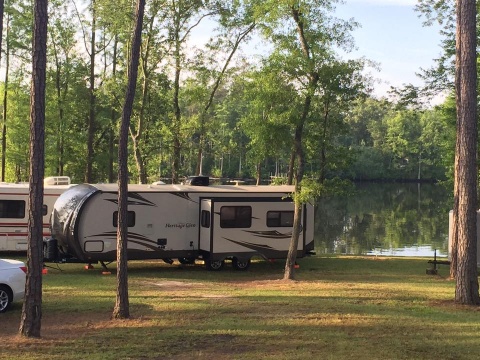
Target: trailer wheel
(240, 265)
(5, 298)
(186, 260)
(214, 265)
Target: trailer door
(206, 225)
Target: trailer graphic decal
(132, 237)
(256, 247)
(135, 199)
(185, 196)
(271, 234)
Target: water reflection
(385, 219)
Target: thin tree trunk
(61, 111)
(4, 134)
(323, 150)
(121, 310)
(177, 117)
(259, 173)
(5, 98)
(138, 135)
(291, 168)
(30, 324)
(113, 116)
(91, 114)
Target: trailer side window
(235, 216)
(44, 210)
(280, 218)
(205, 219)
(14, 209)
(130, 218)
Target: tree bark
(5, 98)
(91, 114)
(113, 117)
(30, 324)
(291, 168)
(177, 116)
(4, 135)
(121, 309)
(465, 218)
(289, 273)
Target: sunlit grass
(339, 308)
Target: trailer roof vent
(57, 180)
(197, 181)
(158, 183)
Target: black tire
(186, 261)
(214, 265)
(6, 298)
(240, 265)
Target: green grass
(339, 308)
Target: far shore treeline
(220, 90)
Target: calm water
(385, 219)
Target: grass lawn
(339, 308)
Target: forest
(221, 88)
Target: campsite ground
(339, 307)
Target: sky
(393, 35)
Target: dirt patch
(172, 284)
(452, 305)
(54, 327)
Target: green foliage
(398, 143)
(312, 190)
(242, 110)
(18, 130)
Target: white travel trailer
(14, 211)
(183, 222)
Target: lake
(397, 219)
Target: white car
(12, 282)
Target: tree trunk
(4, 131)
(259, 173)
(121, 310)
(323, 150)
(291, 168)
(5, 98)
(466, 289)
(91, 114)
(61, 111)
(289, 273)
(113, 117)
(142, 173)
(30, 324)
(298, 146)
(176, 126)
(292, 250)
(137, 136)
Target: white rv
(14, 210)
(183, 222)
